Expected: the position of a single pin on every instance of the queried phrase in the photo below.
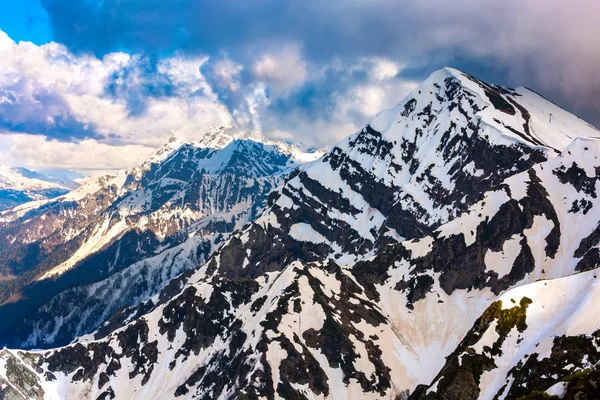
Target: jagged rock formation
(449, 250)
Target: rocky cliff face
(447, 250)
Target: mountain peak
(505, 115)
(221, 137)
(165, 150)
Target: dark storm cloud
(550, 45)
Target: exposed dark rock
(540, 374)
(578, 178)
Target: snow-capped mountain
(414, 167)
(448, 250)
(118, 240)
(20, 185)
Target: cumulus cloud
(226, 74)
(283, 70)
(118, 100)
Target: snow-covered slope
(378, 270)
(537, 337)
(65, 178)
(20, 185)
(186, 195)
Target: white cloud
(43, 83)
(282, 70)
(48, 87)
(347, 105)
(383, 69)
(227, 74)
(36, 151)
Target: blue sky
(26, 20)
(124, 75)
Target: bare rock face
(448, 250)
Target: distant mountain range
(20, 185)
(447, 250)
